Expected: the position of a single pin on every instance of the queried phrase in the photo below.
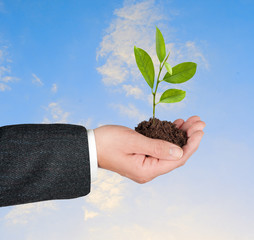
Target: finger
(179, 122)
(196, 126)
(191, 147)
(193, 119)
(156, 148)
(190, 122)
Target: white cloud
(22, 214)
(132, 231)
(89, 214)
(134, 25)
(5, 70)
(107, 191)
(57, 114)
(112, 72)
(54, 88)
(135, 91)
(131, 111)
(36, 80)
(4, 87)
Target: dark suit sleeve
(43, 162)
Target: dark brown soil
(164, 130)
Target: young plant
(178, 74)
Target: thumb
(157, 148)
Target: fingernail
(176, 152)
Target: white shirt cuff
(92, 154)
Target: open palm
(140, 158)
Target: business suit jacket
(43, 162)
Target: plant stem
(157, 83)
(153, 106)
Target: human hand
(135, 156)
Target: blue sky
(73, 62)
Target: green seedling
(178, 74)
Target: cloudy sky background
(73, 62)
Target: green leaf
(181, 73)
(169, 68)
(160, 45)
(145, 65)
(172, 95)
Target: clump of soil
(164, 130)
